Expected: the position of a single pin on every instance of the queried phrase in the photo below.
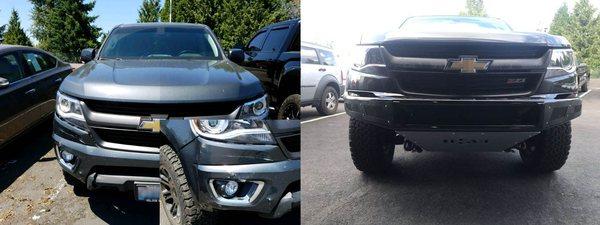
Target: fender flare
(324, 82)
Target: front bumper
(99, 167)
(275, 177)
(443, 124)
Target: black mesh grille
(446, 50)
(443, 115)
(291, 143)
(130, 137)
(174, 110)
(457, 84)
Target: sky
(110, 12)
(341, 23)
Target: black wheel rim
(290, 112)
(169, 195)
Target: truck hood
(162, 81)
(495, 37)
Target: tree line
(64, 27)
(582, 28)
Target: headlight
(562, 62)
(69, 109)
(256, 109)
(368, 59)
(234, 131)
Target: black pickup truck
(273, 55)
(449, 83)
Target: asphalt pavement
(447, 188)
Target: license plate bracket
(146, 191)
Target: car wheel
(290, 108)
(584, 87)
(371, 147)
(175, 195)
(329, 101)
(549, 150)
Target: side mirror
(3, 82)
(87, 55)
(236, 55)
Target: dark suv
(273, 55)
(107, 125)
(29, 79)
(446, 83)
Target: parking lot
(445, 188)
(33, 191)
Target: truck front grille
(131, 137)
(172, 109)
(457, 84)
(454, 49)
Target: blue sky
(110, 12)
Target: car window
(327, 57)
(160, 43)
(295, 46)
(257, 42)
(275, 40)
(309, 56)
(9, 68)
(38, 62)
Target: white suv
(321, 79)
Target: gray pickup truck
(108, 112)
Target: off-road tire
(549, 150)
(371, 147)
(584, 87)
(190, 211)
(292, 102)
(322, 102)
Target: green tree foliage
(15, 35)
(474, 8)
(582, 29)
(561, 21)
(233, 21)
(149, 11)
(2, 29)
(64, 27)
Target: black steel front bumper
(478, 122)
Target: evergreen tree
(474, 8)
(15, 35)
(561, 21)
(2, 28)
(149, 11)
(225, 18)
(64, 27)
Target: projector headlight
(562, 62)
(233, 131)
(69, 109)
(368, 59)
(256, 109)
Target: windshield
(160, 43)
(454, 24)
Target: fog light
(227, 189)
(66, 156)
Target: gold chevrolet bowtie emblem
(468, 64)
(150, 125)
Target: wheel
(549, 150)
(371, 147)
(175, 195)
(290, 108)
(328, 103)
